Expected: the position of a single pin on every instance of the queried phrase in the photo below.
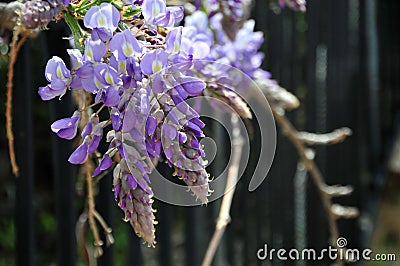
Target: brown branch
(224, 217)
(106, 228)
(332, 211)
(15, 47)
(91, 210)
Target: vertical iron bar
(64, 177)
(134, 257)
(372, 75)
(22, 112)
(164, 232)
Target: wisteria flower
(124, 45)
(154, 61)
(66, 128)
(151, 9)
(94, 50)
(103, 20)
(80, 155)
(59, 77)
(170, 17)
(173, 40)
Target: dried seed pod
(36, 14)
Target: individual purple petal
(94, 144)
(177, 12)
(117, 189)
(144, 101)
(124, 45)
(56, 69)
(158, 147)
(153, 61)
(182, 137)
(164, 20)
(66, 128)
(169, 131)
(79, 156)
(171, 16)
(76, 58)
(194, 143)
(101, 34)
(86, 75)
(107, 75)
(111, 96)
(47, 93)
(131, 181)
(192, 86)
(87, 130)
(151, 125)
(179, 94)
(198, 122)
(116, 118)
(143, 185)
(157, 84)
(129, 120)
(94, 50)
(105, 163)
(196, 129)
(76, 84)
(151, 9)
(66, 2)
(173, 40)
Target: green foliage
(7, 242)
(48, 222)
(7, 238)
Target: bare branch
(15, 47)
(344, 211)
(333, 137)
(337, 190)
(334, 211)
(98, 243)
(230, 187)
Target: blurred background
(341, 58)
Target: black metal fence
(341, 59)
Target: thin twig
(313, 169)
(224, 217)
(336, 136)
(91, 210)
(106, 228)
(15, 47)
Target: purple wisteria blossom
(136, 72)
(103, 20)
(59, 77)
(66, 128)
(124, 45)
(155, 12)
(154, 61)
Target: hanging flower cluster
(135, 63)
(137, 69)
